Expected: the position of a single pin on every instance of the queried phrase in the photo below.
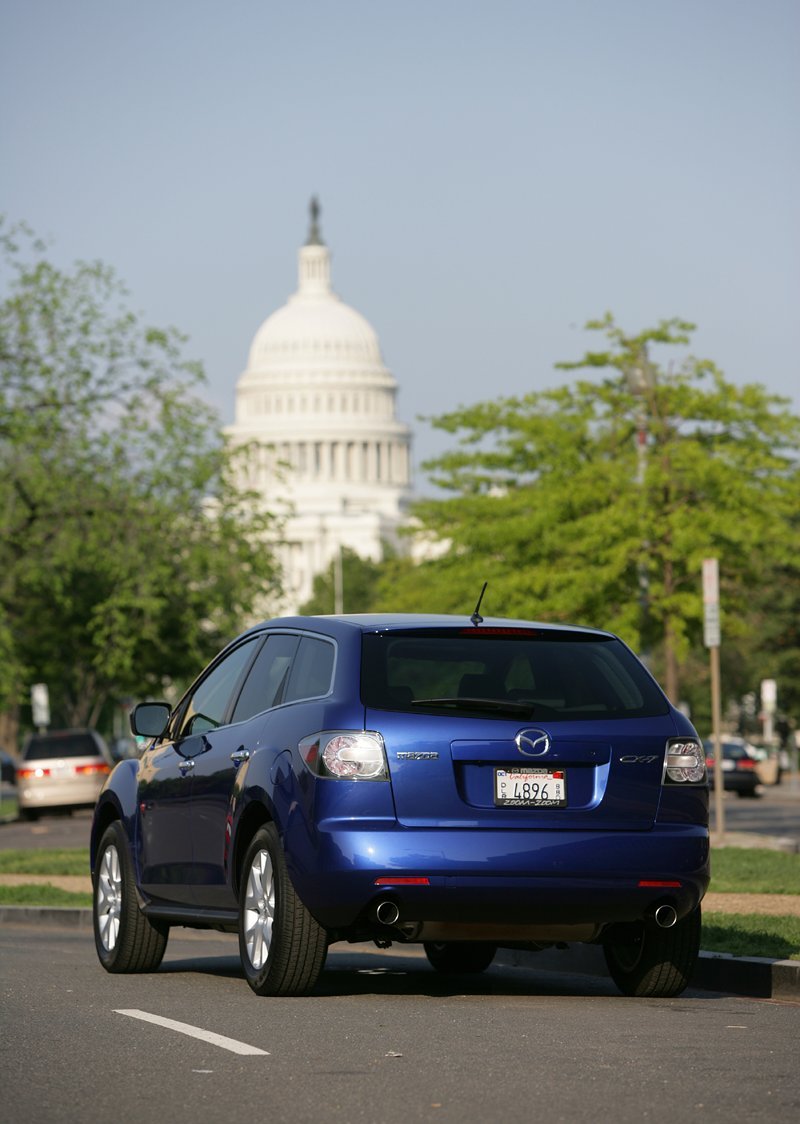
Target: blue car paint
(434, 817)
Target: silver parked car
(62, 769)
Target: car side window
(209, 703)
(266, 682)
(312, 670)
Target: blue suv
(461, 783)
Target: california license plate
(521, 787)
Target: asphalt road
(385, 1041)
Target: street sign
(711, 628)
(40, 705)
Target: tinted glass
(312, 670)
(569, 675)
(209, 702)
(266, 682)
(62, 745)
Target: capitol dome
(318, 400)
(315, 325)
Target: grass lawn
(70, 860)
(748, 870)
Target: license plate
(522, 787)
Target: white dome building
(318, 400)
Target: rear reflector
(644, 883)
(402, 882)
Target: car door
(229, 747)
(165, 836)
(166, 846)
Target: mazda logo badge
(533, 743)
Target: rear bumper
(503, 877)
(70, 794)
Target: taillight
(356, 755)
(685, 762)
(28, 774)
(746, 763)
(91, 770)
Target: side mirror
(149, 720)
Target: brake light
(746, 763)
(27, 774)
(91, 770)
(494, 631)
(645, 883)
(356, 755)
(685, 762)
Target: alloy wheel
(108, 898)
(259, 909)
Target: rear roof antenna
(476, 617)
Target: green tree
(127, 552)
(596, 502)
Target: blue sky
(491, 174)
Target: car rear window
(42, 746)
(541, 673)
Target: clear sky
(492, 173)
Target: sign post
(711, 639)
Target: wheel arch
(105, 813)
(255, 816)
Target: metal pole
(716, 724)
(338, 581)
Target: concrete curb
(753, 976)
(756, 977)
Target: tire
(460, 957)
(126, 941)
(645, 961)
(282, 947)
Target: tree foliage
(127, 552)
(596, 501)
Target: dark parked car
(8, 768)
(416, 779)
(61, 770)
(740, 765)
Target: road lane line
(195, 1032)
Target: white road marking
(195, 1032)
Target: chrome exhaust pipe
(387, 912)
(665, 916)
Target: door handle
(186, 767)
(239, 756)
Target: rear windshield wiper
(489, 705)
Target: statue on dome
(314, 236)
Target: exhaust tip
(665, 916)
(387, 912)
